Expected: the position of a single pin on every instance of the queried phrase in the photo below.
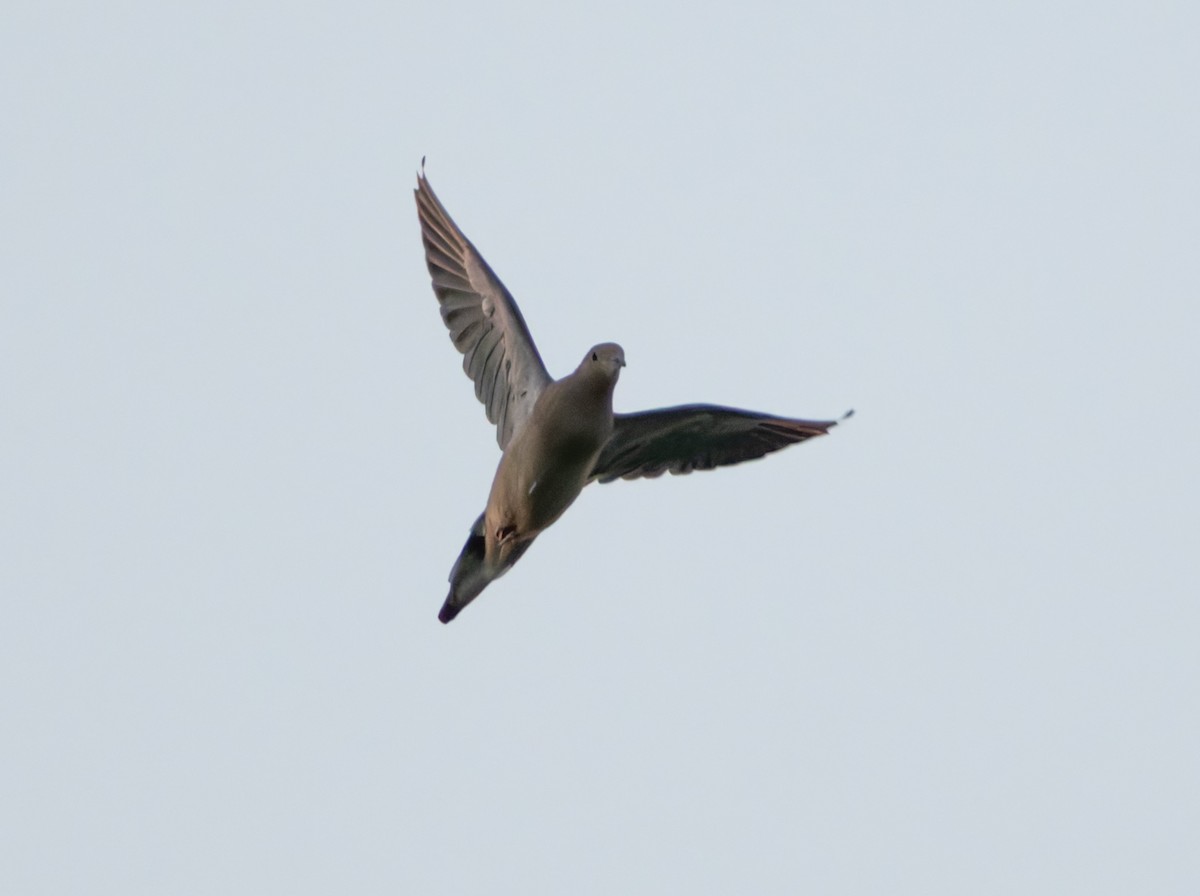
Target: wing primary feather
(434, 238)
(446, 280)
(436, 257)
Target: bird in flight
(557, 436)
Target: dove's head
(605, 359)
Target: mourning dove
(559, 435)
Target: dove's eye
(594, 358)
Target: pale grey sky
(950, 649)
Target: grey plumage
(559, 435)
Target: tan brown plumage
(559, 435)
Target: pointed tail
(470, 574)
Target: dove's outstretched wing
(484, 321)
(695, 437)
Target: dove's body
(559, 435)
(544, 468)
(549, 460)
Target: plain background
(951, 648)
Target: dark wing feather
(695, 437)
(484, 321)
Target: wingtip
(842, 419)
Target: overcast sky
(951, 648)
